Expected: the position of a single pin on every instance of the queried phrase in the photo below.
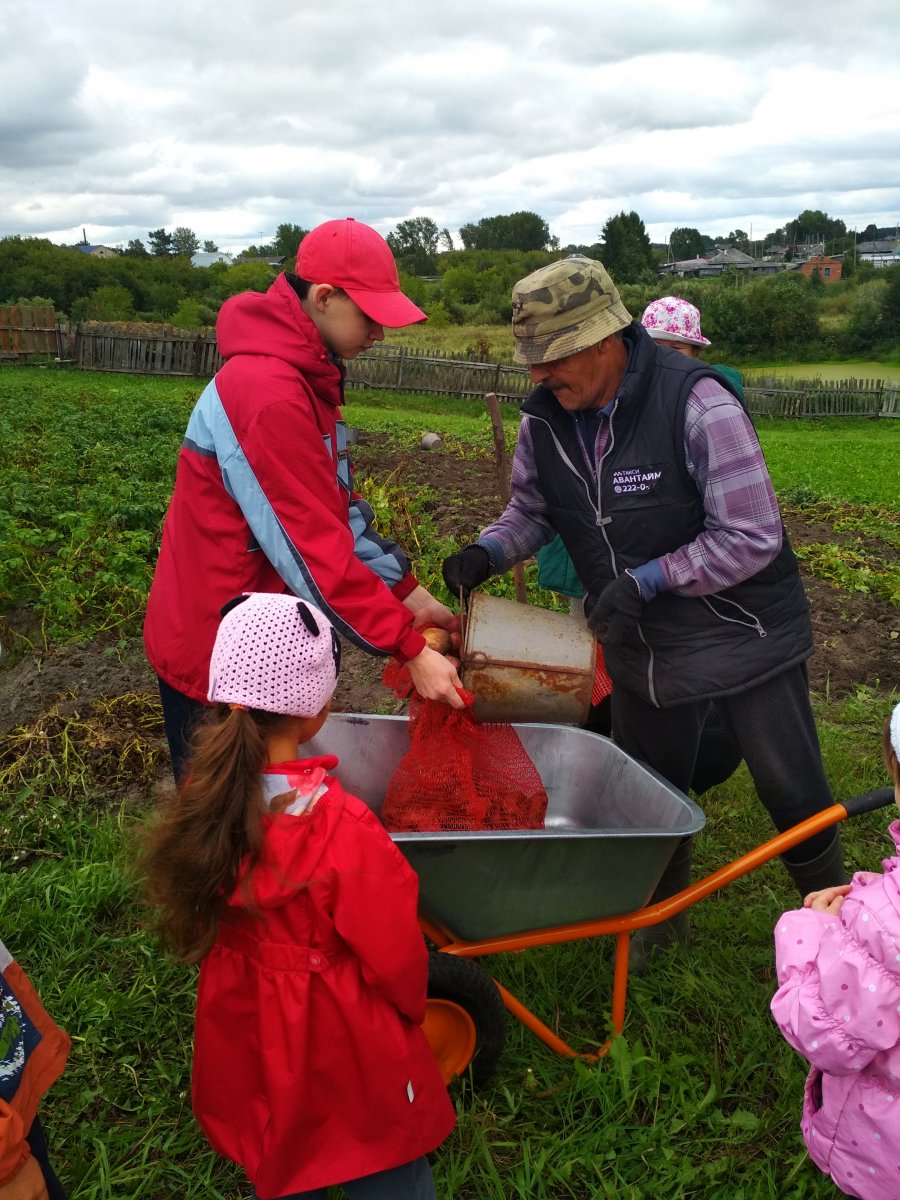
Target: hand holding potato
(438, 639)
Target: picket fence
(165, 350)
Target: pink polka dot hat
(672, 319)
(274, 653)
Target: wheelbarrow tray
(611, 827)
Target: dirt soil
(857, 636)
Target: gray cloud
(233, 117)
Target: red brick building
(828, 266)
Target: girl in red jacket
(310, 1065)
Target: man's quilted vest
(685, 648)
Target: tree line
(471, 283)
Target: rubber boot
(823, 871)
(647, 943)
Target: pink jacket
(838, 1004)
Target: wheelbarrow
(612, 825)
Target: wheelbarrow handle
(868, 801)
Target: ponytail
(190, 856)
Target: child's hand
(829, 900)
(28, 1184)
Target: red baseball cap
(356, 258)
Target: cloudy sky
(231, 118)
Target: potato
(437, 639)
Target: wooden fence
(27, 330)
(783, 397)
(165, 350)
(400, 369)
(142, 349)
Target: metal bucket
(526, 664)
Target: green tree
(783, 310)
(866, 315)
(111, 302)
(445, 240)
(249, 277)
(287, 239)
(189, 314)
(686, 242)
(162, 299)
(184, 241)
(813, 225)
(209, 247)
(891, 297)
(136, 249)
(413, 235)
(625, 248)
(459, 285)
(516, 231)
(160, 243)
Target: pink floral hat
(672, 319)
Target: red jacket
(310, 1066)
(33, 1052)
(263, 500)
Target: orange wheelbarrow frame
(623, 926)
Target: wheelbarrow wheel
(465, 1019)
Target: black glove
(466, 569)
(620, 604)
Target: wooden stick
(500, 459)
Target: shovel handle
(868, 801)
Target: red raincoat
(310, 1065)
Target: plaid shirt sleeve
(523, 526)
(743, 524)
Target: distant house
(270, 260)
(692, 267)
(716, 263)
(206, 258)
(828, 266)
(728, 256)
(882, 253)
(97, 251)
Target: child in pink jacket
(838, 1004)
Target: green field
(890, 372)
(700, 1099)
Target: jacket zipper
(753, 621)
(602, 522)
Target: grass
(699, 1099)
(488, 342)
(838, 459)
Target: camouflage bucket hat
(563, 308)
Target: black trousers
(718, 755)
(38, 1143)
(775, 731)
(180, 715)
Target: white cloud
(231, 118)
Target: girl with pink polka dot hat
(838, 1004)
(311, 1068)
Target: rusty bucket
(526, 664)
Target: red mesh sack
(602, 683)
(457, 773)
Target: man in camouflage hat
(647, 465)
